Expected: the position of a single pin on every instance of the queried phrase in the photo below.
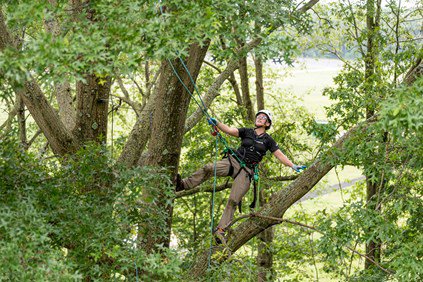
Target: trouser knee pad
(208, 169)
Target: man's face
(262, 120)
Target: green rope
(257, 179)
(193, 82)
(212, 200)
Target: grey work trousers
(239, 188)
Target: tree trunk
(171, 106)
(265, 238)
(259, 83)
(235, 87)
(92, 109)
(243, 73)
(265, 255)
(277, 206)
(65, 103)
(61, 140)
(139, 136)
(373, 248)
(21, 121)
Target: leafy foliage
(78, 218)
(83, 218)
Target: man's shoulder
(246, 130)
(269, 137)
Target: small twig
(213, 66)
(138, 86)
(29, 143)
(339, 185)
(280, 220)
(323, 19)
(134, 105)
(351, 260)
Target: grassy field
(307, 79)
(3, 113)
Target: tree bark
(245, 88)
(171, 106)
(259, 83)
(92, 109)
(65, 102)
(264, 253)
(279, 203)
(235, 87)
(373, 248)
(213, 90)
(139, 136)
(60, 139)
(265, 238)
(21, 121)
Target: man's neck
(260, 130)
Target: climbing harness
(256, 183)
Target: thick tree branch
(62, 90)
(282, 200)
(199, 189)
(282, 220)
(139, 136)
(213, 90)
(232, 65)
(60, 139)
(222, 187)
(284, 178)
(307, 6)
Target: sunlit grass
(307, 80)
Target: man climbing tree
(241, 165)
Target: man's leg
(205, 173)
(239, 188)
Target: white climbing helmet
(268, 114)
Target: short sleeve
(242, 132)
(272, 146)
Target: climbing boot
(179, 185)
(219, 236)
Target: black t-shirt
(254, 147)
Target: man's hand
(298, 168)
(212, 121)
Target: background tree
(361, 90)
